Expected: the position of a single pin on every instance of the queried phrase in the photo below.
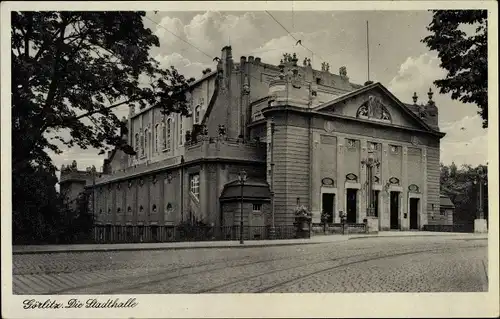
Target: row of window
(129, 210)
(352, 144)
(142, 139)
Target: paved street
(398, 264)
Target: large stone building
(301, 135)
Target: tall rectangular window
(169, 134)
(181, 131)
(157, 137)
(195, 184)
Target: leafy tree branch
(464, 55)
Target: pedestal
(372, 224)
(272, 233)
(480, 226)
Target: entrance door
(351, 205)
(414, 213)
(394, 210)
(327, 206)
(375, 202)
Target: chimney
(250, 59)
(257, 60)
(243, 60)
(226, 53)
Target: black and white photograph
(175, 155)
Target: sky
(398, 59)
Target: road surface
(398, 264)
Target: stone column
(404, 193)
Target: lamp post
(480, 181)
(242, 178)
(93, 172)
(370, 162)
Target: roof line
(387, 92)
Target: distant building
(447, 210)
(301, 135)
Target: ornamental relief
(373, 108)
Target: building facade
(301, 136)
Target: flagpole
(368, 50)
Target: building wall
(304, 152)
(331, 156)
(292, 166)
(432, 184)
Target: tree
(464, 56)
(37, 206)
(70, 69)
(459, 186)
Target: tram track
(213, 288)
(165, 274)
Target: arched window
(157, 137)
(164, 134)
(137, 144)
(197, 114)
(150, 139)
(142, 145)
(169, 134)
(146, 133)
(181, 131)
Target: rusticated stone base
(372, 225)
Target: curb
(403, 236)
(112, 249)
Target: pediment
(374, 103)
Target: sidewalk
(318, 239)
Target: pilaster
(363, 181)
(161, 202)
(204, 185)
(316, 178)
(113, 205)
(423, 211)
(384, 193)
(340, 178)
(404, 194)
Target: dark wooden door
(351, 205)
(413, 213)
(394, 210)
(327, 205)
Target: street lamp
(93, 171)
(242, 178)
(370, 162)
(480, 179)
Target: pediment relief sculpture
(374, 109)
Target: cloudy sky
(397, 59)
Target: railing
(338, 228)
(157, 234)
(455, 228)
